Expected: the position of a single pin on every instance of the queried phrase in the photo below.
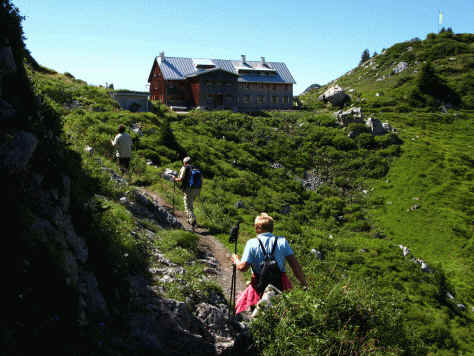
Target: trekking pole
(174, 192)
(234, 235)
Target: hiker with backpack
(123, 141)
(266, 254)
(191, 182)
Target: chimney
(263, 61)
(162, 56)
(243, 58)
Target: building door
(219, 100)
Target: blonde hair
(264, 222)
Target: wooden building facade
(221, 84)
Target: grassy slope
(435, 167)
(436, 163)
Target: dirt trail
(209, 244)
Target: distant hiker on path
(191, 182)
(253, 256)
(123, 142)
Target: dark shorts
(124, 162)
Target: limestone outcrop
(335, 95)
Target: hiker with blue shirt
(191, 187)
(253, 256)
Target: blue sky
(116, 41)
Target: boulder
(89, 149)
(318, 254)
(16, 153)
(400, 67)
(239, 204)
(375, 126)
(169, 174)
(352, 115)
(7, 61)
(96, 306)
(335, 95)
(7, 112)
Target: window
(259, 99)
(229, 84)
(274, 99)
(210, 99)
(246, 99)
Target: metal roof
(204, 71)
(178, 68)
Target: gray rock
(386, 126)
(239, 205)
(147, 205)
(214, 318)
(7, 61)
(353, 115)
(96, 305)
(89, 149)
(318, 254)
(461, 306)
(16, 152)
(405, 250)
(400, 67)
(335, 95)
(425, 267)
(363, 250)
(7, 112)
(169, 174)
(375, 126)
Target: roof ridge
(219, 59)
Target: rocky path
(208, 244)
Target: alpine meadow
(382, 223)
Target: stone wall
(132, 101)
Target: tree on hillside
(432, 89)
(365, 56)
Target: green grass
(435, 167)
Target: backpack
(269, 271)
(195, 179)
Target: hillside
(345, 204)
(435, 167)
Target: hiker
(123, 142)
(191, 187)
(253, 256)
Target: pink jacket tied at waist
(250, 296)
